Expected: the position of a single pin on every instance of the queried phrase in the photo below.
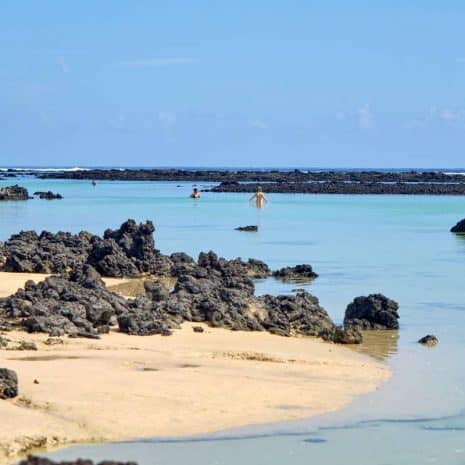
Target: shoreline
(124, 387)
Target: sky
(322, 83)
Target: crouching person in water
(195, 193)
(259, 197)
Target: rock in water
(35, 460)
(14, 193)
(8, 383)
(48, 195)
(373, 312)
(429, 340)
(295, 273)
(249, 228)
(459, 228)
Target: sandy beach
(122, 387)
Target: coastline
(123, 387)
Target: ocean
(398, 245)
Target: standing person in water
(195, 193)
(259, 197)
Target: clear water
(397, 245)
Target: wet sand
(125, 387)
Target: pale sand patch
(123, 387)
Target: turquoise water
(397, 245)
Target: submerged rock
(459, 228)
(8, 383)
(249, 228)
(373, 312)
(35, 460)
(13, 193)
(48, 195)
(295, 273)
(429, 340)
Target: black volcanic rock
(459, 228)
(35, 460)
(8, 383)
(373, 312)
(429, 340)
(295, 273)
(13, 193)
(48, 195)
(249, 228)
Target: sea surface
(398, 245)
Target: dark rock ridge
(249, 228)
(276, 176)
(213, 290)
(127, 251)
(375, 311)
(459, 228)
(429, 340)
(48, 195)
(35, 460)
(13, 193)
(343, 187)
(8, 383)
(295, 273)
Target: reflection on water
(378, 344)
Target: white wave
(453, 173)
(76, 168)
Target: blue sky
(243, 83)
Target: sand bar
(123, 387)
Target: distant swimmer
(259, 197)
(195, 193)
(94, 182)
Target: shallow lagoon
(397, 245)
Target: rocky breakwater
(459, 228)
(345, 187)
(126, 251)
(35, 460)
(14, 193)
(48, 195)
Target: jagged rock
(343, 336)
(13, 193)
(48, 195)
(429, 340)
(295, 273)
(35, 460)
(373, 312)
(8, 383)
(197, 329)
(249, 228)
(25, 345)
(459, 228)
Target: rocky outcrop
(459, 228)
(35, 460)
(372, 312)
(295, 273)
(48, 195)
(127, 251)
(429, 340)
(59, 305)
(13, 193)
(8, 383)
(249, 228)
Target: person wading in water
(259, 197)
(195, 193)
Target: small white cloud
(167, 118)
(166, 61)
(257, 123)
(365, 118)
